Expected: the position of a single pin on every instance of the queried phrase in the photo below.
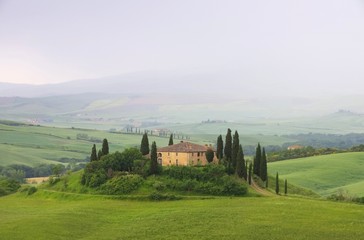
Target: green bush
(31, 190)
(123, 184)
(226, 185)
(8, 186)
(53, 180)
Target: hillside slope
(324, 174)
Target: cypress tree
(93, 156)
(235, 150)
(170, 140)
(105, 147)
(257, 159)
(250, 173)
(209, 155)
(228, 148)
(263, 166)
(285, 187)
(144, 146)
(277, 184)
(154, 160)
(240, 164)
(99, 154)
(220, 148)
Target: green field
(324, 174)
(32, 145)
(52, 215)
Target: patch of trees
(125, 172)
(86, 137)
(210, 180)
(309, 152)
(8, 186)
(97, 172)
(318, 140)
(18, 171)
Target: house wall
(182, 158)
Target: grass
(324, 174)
(32, 145)
(47, 215)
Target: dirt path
(260, 190)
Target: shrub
(53, 180)
(123, 184)
(31, 190)
(232, 186)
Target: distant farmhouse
(294, 147)
(184, 153)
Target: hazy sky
(285, 44)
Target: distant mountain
(135, 83)
(167, 97)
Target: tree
(263, 166)
(57, 169)
(93, 156)
(240, 164)
(144, 146)
(209, 155)
(277, 184)
(257, 159)
(154, 159)
(285, 187)
(250, 173)
(235, 149)
(99, 154)
(228, 148)
(105, 147)
(220, 148)
(170, 140)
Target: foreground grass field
(52, 215)
(324, 174)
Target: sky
(310, 45)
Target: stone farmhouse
(184, 154)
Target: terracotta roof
(184, 147)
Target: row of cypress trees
(233, 157)
(102, 152)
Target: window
(192, 162)
(192, 154)
(159, 161)
(168, 154)
(160, 155)
(176, 162)
(198, 154)
(176, 154)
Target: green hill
(324, 174)
(32, 145)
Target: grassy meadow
(53, 215)
(324, 174)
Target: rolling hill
(324, 174)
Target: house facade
(184, 154)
